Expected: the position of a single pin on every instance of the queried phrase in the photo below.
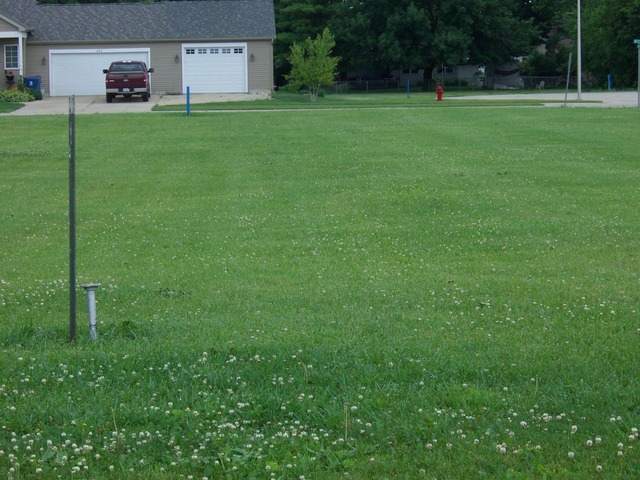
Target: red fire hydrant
(439, 91)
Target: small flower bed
(15, 96)
(20, 94)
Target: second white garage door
(79, 72)
(215, 68)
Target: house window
(190, 51)
(202, 51)
(226, 50)
(237, 50)
(11, 57)
(214, 51)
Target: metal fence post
(91, 288)
(72, 218)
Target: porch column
(20, 55)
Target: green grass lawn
(399, 293)
(374, 100)
(6, 107)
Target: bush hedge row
(20, 95)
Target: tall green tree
(549, 16)
(312, 63)
(555, 23)
(429, 33)
(608, 30)
(297, 20)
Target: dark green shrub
(15, 96)
(36, 94)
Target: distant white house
(502, 76)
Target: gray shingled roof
(180, 20)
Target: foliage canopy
(423, 34)
(312, 64)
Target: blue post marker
(408, 88)
(188, 101)
(609, 82)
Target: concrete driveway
(606, 99)
(98, 103)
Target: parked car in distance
(128, 78)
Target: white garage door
(79, 72)
(215, 68)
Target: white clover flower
(574, 429)
(571, 454)
(599, 468)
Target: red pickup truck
(128, 78)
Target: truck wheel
(145, 96)
(109, 97)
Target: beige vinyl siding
(167, 76)
(261, 69)
(34, 67)
(6, 26)
(3, 81)
(35, 53)
(3, 42)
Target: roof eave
(151, 40)
(19, 27)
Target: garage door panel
(79, 72)
(215, 68)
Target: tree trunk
(426, 79)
